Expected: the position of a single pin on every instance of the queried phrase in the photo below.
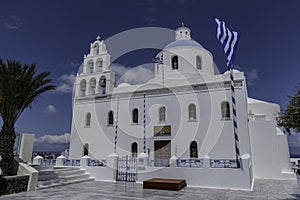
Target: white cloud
(135, 75)
(251, 75)
(54, 139)
(11, 21)
(52, 143)
(50, 109)
(66, 83)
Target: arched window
(162, 114)
(90, 66)
(175, 62)
(88, 120)
(92, 86)
(86, 149)
(135, 116)
(96, 47)
(134, 149)
(193, 150)
(225, 109)
(192, 112)
(99, 64)
(102, 85)
(82, 87)
(198, 62)
(110, 118)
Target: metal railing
(190, 163)
(223, 163)
(50, 162)
(97, 163)
(159, 163)
(72, 162)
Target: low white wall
(270, 154)
(284, 153)
(25, 169)
(225, 178)
(101, 173)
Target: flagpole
(158, 61)
(229, 40)
(116, 127)
(163, 75)
(234, 119)
(144, 111)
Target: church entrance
(162, 152)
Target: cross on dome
(98, 38)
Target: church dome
(179, 43)
(184, 56)
(123, 85)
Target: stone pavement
(263, 189)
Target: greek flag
(229, 40)
(158, 59)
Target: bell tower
(97, 77)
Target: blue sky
(56, 35)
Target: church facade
(184, 112)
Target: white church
(182, 115)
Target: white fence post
(245, 162)
(60, 160)
(173, 161)
(142, 161)
(206, 162)
(112, 161)
(37, 160)
(84, 161)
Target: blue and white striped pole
(163, 74)
(234, 118)
(229, 40)
(144, 122)
(116, 127)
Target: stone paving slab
(263, 189)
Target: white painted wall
(213, 135)
(270, 154)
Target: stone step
(40, 187)
(71, 172)
(42, 167)
(73, 177)
(46, 172)
(56, 176)
(63, 169)
(48, 182)
(48, 176)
